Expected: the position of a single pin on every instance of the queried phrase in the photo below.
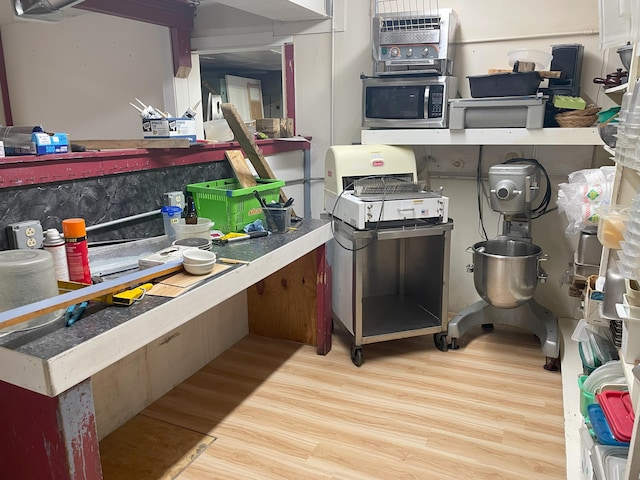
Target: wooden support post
(49, 438)
(248, 144)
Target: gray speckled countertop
(53, 339)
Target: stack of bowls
(629, 253)
(197, 261)
(627, 152)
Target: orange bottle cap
(74, 228)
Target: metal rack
(391, 283)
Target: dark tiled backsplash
(102, 199)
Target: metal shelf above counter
(484, 136)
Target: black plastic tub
(504, 84)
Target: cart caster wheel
(356, 355)
(454, 344)
(487, 326)
(552, 364)
(440, 339)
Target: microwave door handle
(425, 105)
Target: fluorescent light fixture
(48, 10)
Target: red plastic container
(618, 411)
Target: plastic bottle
(75, 238)
(170, 217)
(191, 217)
(54, 243)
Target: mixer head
(513, 187)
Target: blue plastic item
(601, 427)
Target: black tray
(504, 84)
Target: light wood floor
(267, 409)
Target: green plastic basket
(229, 205)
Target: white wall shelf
(484, 136)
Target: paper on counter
(182, 281)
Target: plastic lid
(618, 411)
(171, 210)
(74, 228)
(601, 427)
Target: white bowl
(199, 269)
(197, 256)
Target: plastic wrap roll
(18, 137)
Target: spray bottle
(55, 244)
(75, 238)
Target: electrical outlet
(25, 235)
(174, 199)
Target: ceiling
(256, 62)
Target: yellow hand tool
(126, 297)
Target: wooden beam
(248, 143)
(124, 144)
(239, 165)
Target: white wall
(487, 31)
(78, 76)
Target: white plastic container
(201, 230)
(630, 346)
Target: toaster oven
(406, 101)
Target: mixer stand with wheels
(530, 316)
(506, 270)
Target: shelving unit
(484, 136)
(572, 365)
(625, 187)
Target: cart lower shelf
(392, 317)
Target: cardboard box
(170, 128)
(275, 127)
(43, 143)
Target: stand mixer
(506, 270)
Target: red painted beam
(181, 50)
(56, 168)
(168, 13)
(175, 14)
(290, 83)
(49, 438)
(6, 101)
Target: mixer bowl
(505, 271)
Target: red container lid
(618, 411)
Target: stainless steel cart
(391, 283)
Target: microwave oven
(407, 101)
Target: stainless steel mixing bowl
(625, 56)
(506, 271)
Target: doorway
(244, 78)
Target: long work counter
(49, 430)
